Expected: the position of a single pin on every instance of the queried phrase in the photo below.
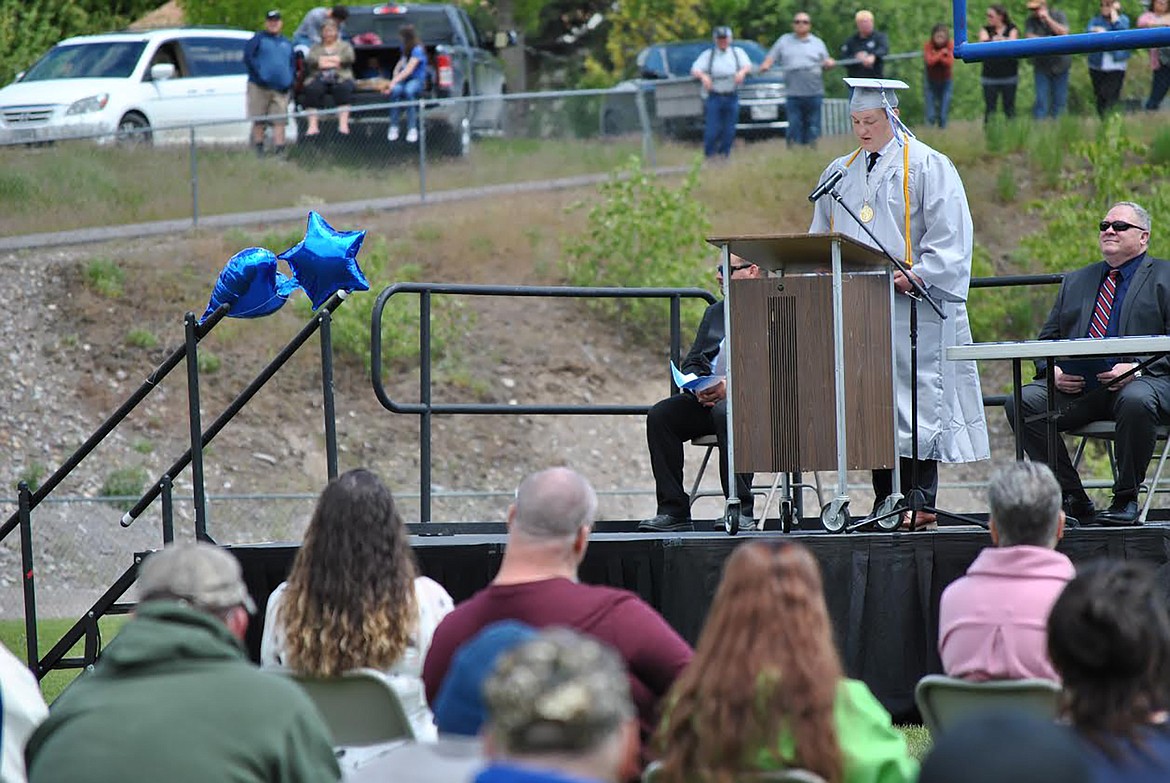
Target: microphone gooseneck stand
(915, 502)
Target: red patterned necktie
(1104, 306)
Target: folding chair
(360, 707)
(1106, 430)
(944, 700)
(781, 485)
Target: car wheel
(134, 129)
(451, 142)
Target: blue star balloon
(251, 284)
(325, 261)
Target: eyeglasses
(1118, 226)
(734, 268)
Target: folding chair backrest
(360, 707)
(944, 700)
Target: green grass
(75, 185)
(49, 632)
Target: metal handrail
(426, 408)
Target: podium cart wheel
(786, 516)
(888, 520)
(835, 515)
(731, 520)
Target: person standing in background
(1158, 16)
(939, 56)
(1051, 70)
(1107, 69)
(721, 69)
(1001, 75)
(271, 66)
(868, 46)
(804, 59)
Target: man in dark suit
(688, 415)
(1127, 295)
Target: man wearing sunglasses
(688, 415)
(1126, 295)
(803, 57)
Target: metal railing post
(194, 180)
(648, 151)
(424, 382)
(422, 151)
(326, 319)
(196, 426)
(27, 578)
(166, 488)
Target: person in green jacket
(174, 697)
(765, 690)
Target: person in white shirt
(24, 709)
(354, 598)
(721, 69)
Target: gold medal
(866, 213)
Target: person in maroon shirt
(548, 532)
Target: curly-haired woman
(1109, 638)
(354, 597)
(765, 689)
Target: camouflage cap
(559, 692)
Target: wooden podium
(812, 362)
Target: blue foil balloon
(325, 261)
(251, 285)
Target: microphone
(829, 183)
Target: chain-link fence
(140, 173)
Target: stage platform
(882, 588)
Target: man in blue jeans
(721, 69)
(1051, 71)
(804, 58)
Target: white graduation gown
(952, 426)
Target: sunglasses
(734, 268)
(802, 21)
(1118, 226)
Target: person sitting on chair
(992, 622)
(688, 415)
(1127, 294)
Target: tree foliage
(29, 29)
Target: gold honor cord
(905, 194)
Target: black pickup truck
(460, 63)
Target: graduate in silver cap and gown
(912, 199)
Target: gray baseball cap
(201, 574)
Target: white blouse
(405, 676)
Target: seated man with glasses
(686, 415)
(1126, 295)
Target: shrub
(208, 362)
(350, 323)
(125, 482)
(643, 233)
(104, 277)
(141, 338)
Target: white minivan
(147, 86)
